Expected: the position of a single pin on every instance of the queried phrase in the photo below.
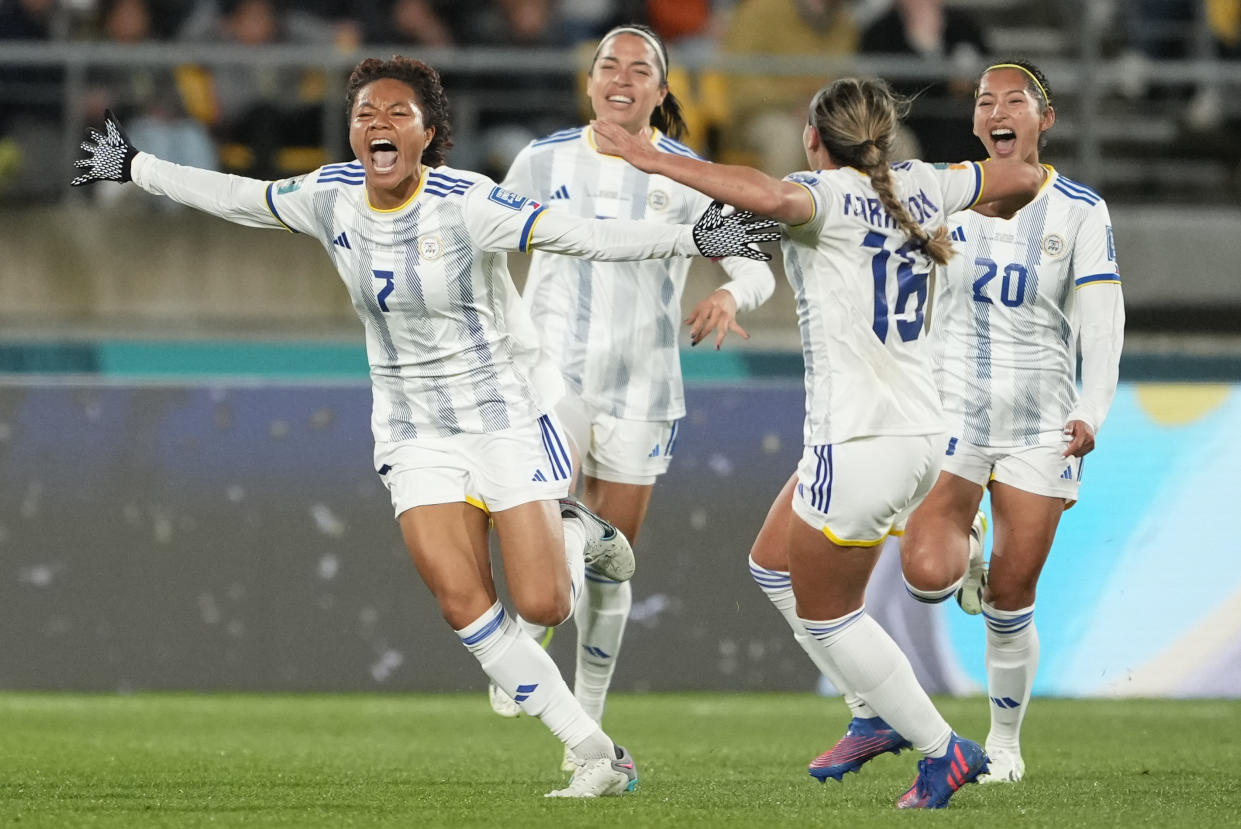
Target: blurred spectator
(144, 97)
(943, 108)
(422, 22)
(1224, 19)
(32, 99)
(769, 111)
(510, 109)
(265, 132)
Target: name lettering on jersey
(289, 185)
(507, 199)
(871, 211)
(657, 200)
(430, 248)
(1054, 245)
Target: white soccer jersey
(451, 346)
(1004, 336)
(861, 289)
(612, 328)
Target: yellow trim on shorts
(840, 542)
(897, 533)
(474, 502)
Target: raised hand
(736, 234)
(110, 154)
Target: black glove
(110, 155)
(717, 235)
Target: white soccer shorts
(617, 450)
(860, 491)
(1040, 469)
(493, 471)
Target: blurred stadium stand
(1145, 93)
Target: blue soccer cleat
(865, 740)
(939, 777)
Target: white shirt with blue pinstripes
(1005, 329)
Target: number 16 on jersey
(910, 288)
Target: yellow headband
(1020, 68)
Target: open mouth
(620, 99)
(383, 155)
(1005, 140)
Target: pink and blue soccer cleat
(939, 777)
(865, 740)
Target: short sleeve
(820, 194)
(499, 219)
(959, 184)
(1094, 251)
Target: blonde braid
(857, 120)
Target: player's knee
(932, 574)
(548, 609)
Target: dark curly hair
(1036, 83)
(425, 82)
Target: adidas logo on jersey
(539, 476)
(654, 452)
(1067, 474)
(343, 241)
(958, 234)
(562, 192)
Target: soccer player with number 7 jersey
(465, 435)
(1025, 288)
(860, 237)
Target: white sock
(517, 664)
(574, 553)
(933, 596)
(876, 669)
(601, 618)
(778, 587)
(1011, 659)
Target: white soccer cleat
(502, 703)
(1006, 766)
(969, 594)
(603, 777)
(607, 550)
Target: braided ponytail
(856, 121)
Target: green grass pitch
(704, 760)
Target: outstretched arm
(111, 157)
(614, 240)
(743, 187)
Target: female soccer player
(614, 338)
(860, 239)
(1026, 287)
(461, 416)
